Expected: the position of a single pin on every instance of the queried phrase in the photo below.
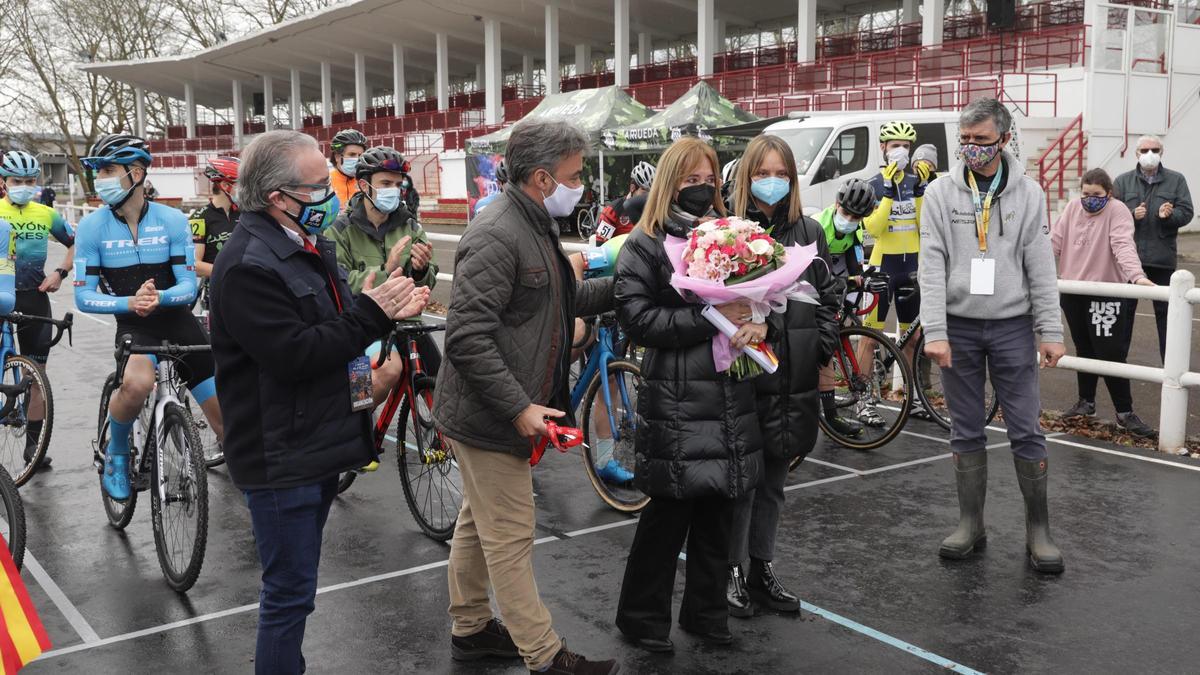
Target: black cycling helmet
(380, 158)
(347, 137)
(502, 172)
(857, 197)
(122, 149)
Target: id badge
(361, 392)
(983, 276)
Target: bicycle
(20, 378)
(618, 420)
(214, 451)
(12, 518)
(429, 474)
(586, 219)
(164, 454)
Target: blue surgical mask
(843, 224)
(349, 165)
(1093, 204)
(387, 199)
(770, 190)
(315, 217)
(111, 191)
(22, 194)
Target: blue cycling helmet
(124, 149)
(19, 164)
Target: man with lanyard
(135, 260)
(32, 226)
(345, 147)
(893, 225)
(614, 218)
(212, 224)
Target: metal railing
(1175, 376)
(1064, 151)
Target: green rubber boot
(1044, 554)
(970, 473)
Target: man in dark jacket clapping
(508, 345)
(288, 338)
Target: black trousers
(1162, 277)
(644, 609)
(1101, 328)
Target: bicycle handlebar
(126, 349)
(407, 330)
(64, 325)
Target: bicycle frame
(404, 388)
(600, 355)
(7, 349)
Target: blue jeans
(287, 531)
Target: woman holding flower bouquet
(767, 191)
(698, 446)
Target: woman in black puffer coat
(804, 337)
(698, 442)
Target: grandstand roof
(334, 34)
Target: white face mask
(562, 201)
(1150, 160)
(899, 157)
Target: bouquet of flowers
(735, 259)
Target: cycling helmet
(222, 169)
(347, 137)
(897, 131)
(857, 197)
(19, 164)
(124, 149)
(643, 175)
(502, 172)
(730, 170)
(380, 158)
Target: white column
(526, 72)
(443, 71)
(295, 105)
(480, 75)
(360, 87)
(621, 42)
(583, 59)
(644, 49)
(910, 12)
(806, 31)
(399, 85)
(239, 113)
(553, 85)
(139, 102)
(719, 35)
(189, 106)
(704, 37)
(933, 22)
(493, 111)
(326, 93)
(268, 103)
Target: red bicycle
(428, 472)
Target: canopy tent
(696, 113)
(591, 109)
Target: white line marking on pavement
(926, 436)
(901, 465)
(1118, 453)
(831, 465)
(85, 315)
(820, 481)
(80, 624)
(601, 528)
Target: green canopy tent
(696, 113)
(593, 110)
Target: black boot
(970, 474)
(33, 432)
(1044, 554)
(737, 595)
(769, 591)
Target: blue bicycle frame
(600, 355)
(7, 349)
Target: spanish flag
(22, 637)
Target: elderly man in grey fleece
(988, 285)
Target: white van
(833, 146)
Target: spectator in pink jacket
(1093, 240)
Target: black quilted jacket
(508, 333)
(698, 433)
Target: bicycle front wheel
(179, 499)
(586, 223)
(214, 452)
(928, 378)
(428, 471)
(883, 388)
(17, 455)
(12, 517)
(119, 513)
(609, 426)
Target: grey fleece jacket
(1018, 239)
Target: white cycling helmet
(643, 175)
(730, 170)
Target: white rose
(760, 247)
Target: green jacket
(362, 248)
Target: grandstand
(464, 68)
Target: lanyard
(337, 299)
(983, 205)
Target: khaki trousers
(493, 544)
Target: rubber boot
(970, 474)
(1044, 554)
(737, 595)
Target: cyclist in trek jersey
(32, 226)
(894, 227)
(615, 218)
(134, 259)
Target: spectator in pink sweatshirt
(1093, 240)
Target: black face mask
(697, 199)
